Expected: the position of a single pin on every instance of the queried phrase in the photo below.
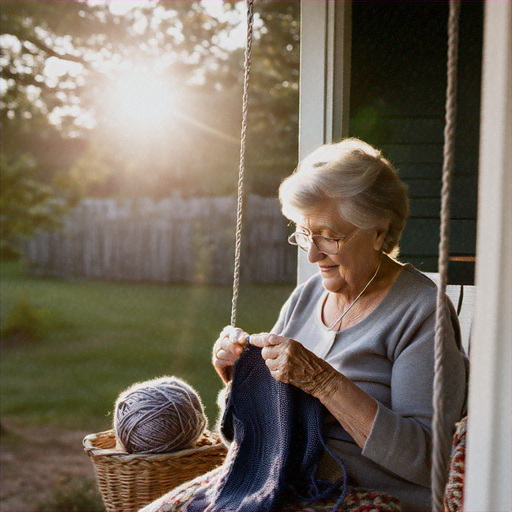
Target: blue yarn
(276, 438)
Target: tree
(92, 39)
(274, 109)
(64, 122)
(45, 116)
(26, 205)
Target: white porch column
(324, 81)
(489, 445)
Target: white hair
(358, 179)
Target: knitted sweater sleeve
(401, 436)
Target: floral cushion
(454, 492)
(357, 500)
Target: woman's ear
(380, 235)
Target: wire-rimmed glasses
(326, 245)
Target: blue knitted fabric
(275, 431)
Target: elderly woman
(359, 335)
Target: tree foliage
(273, 141)
(65, 121)
(26, 205)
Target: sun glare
(141, 101)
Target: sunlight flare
(141, 101)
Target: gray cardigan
(390, 355)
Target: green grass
(104, 336)
(76, 495)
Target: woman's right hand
(227, 350)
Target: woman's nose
(314, 255)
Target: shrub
(26, 322)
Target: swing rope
(241, 169)
(441, 431)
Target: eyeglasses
(329, 246)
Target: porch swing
(129, 481)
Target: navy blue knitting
(275, 431)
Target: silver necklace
(342, 316)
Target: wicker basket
(127, 482)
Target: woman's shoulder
(418, 280)
(311, 289)
(412, 307)
(414, 290)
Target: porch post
(324, 81)
(489, 446)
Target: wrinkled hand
(227, 350)
(290, 362)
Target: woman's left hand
(290, 362)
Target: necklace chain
(342, 316)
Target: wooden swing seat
(463, 298)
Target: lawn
(102, 336)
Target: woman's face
(358, 257)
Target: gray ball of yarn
(158, 416)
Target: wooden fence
(172, 240)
